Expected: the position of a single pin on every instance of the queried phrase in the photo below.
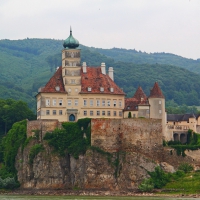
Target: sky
(171, 26)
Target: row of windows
(86, 113)
(102, 113)
(86, 102)
(60, 112)
(102, 103)
(54, 102)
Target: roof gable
(95, 80)
(55, 80)
(156, 92)
(139, 94)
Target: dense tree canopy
(28, 64)
(12, 111)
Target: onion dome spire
(71, 42)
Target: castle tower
(157, 106)
(71, 73)
(157, 103)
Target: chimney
(103, 68)
(84, 67)
(110, 73)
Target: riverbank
(37, 192)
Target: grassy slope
(189, 184)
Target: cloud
(152, 26)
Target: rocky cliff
(122, 152)
(94, 170)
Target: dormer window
(57, 88)
(101, 89)
(89, 89)
(112, 89)
(128, 107)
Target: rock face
(134, 146)
(91, 171)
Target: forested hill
(139, 57)
(28, 64)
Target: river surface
(19, 197)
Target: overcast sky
(171, 26)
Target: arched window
(71, 118)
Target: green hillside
(28, 64)
(139, 57)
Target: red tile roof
(140, 95)
(139, 98)
(156, 92)
(55, 80)
(95, 79)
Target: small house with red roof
(140, 105)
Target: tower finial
(70, 30)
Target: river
(24, 197)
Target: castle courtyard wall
(135, 134)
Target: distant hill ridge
(28, 64)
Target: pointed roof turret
(156, 92)
(139, 94)
(71, 42)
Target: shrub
(186, 167)
(159, 178)
(11, 143)
(146, 185)
(71, 138)
(8, 183)
(129, 115)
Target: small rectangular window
(120, 113)
(103, 102)
(159, 102)
(76, 102)
(69, 102)
(114, 103)
(73, 81)
(85, 102)
(47, 102)
(160, 111)
(98, 102)
(98, 113)
(115, 113)
(120, 104)
(103, 113)
(108, 113)
(60, 112)
(85, 113)
(91, 113)
(60, 102)
(108, 102)
(54, 102)
(91, 102)
(47, 112)
(54, 112)
(112, 89)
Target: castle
(78, 91)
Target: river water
(19, 197)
